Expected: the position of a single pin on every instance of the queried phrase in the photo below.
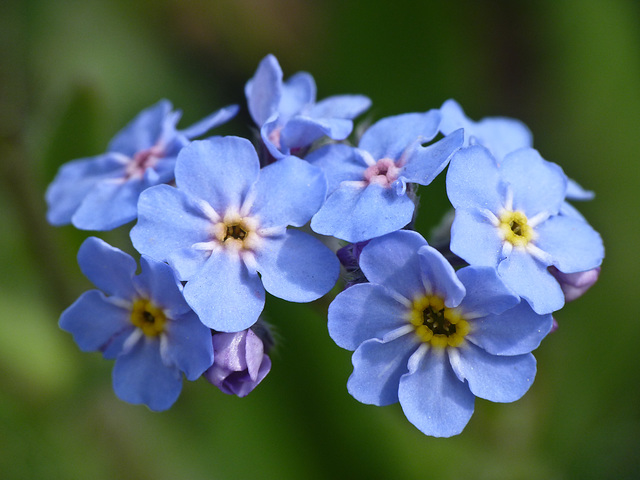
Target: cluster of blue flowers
(219, 222)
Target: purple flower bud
(239, 362)
(574, 285)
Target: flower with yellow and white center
(433, 338)
(224, 229)
(509, 215)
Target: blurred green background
(72, 73)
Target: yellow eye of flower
(515, 228)
(436, 324)
(148, 317)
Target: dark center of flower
(148, 317)
(437, 323)
(516, 227)
(235, 231)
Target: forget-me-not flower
(507, 216)
(101, 192)
(226, 222)
(140, 320)
(370, 188)
(433, 338)
(288, 115)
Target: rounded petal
(472, 180)
(298, 93)
(94, 321)
(486, 292)
(493, 377)
(377, 368)
(572, 243)
(339, 162)
(140, 376)
(532, 281)
(576, 192)
(224, 294)
(475, 239)
(537, 185)
(432, 397)
(391, 136)
(108, 268)
(424, 164)
(362, 312)
(168, 220)
(157, 281)
(188, 345)
(439, 277)
(392, 261)
(340, 106)
(288, 192)
(514, 332)
(264, 90)
(219, 170)
(502, 135)
(108, 205)
(144, 130)
(302, 131)
(75, 180)
(354, 214)
(297, 267)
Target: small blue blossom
(140, 320)
(370, 192)
(101, 192)
(226, 222)
(508, 216)
(432, 338)
(287, 114)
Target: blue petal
(538, 185)
(225, 295)
(297, 267)
(94, 321)
(288, 192)
(270, 133)
(439, 277)
(515, 332)
(189, 345)
(531, 280)
(573, 244)
(364, 311)
(486, 292)
(211, 121)
(108, 268)
(108, 205)
(392, 261)
(302, 131)
(472, 180)
(502, 135)
(433, 399)
(168, 220)
(377, 368)
(140, 376)
(157, 282)
(298, 94)
(75, 180)
(144, 131)
(475, 239)
(264, 90)
(576, 192)
(391, 136)
(354, 214)
(493, 377)
(219, 170)
(339, 162)
(425, 163)
(340, 106)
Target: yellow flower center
(436, 324)
(148, 317)
(515, 228)
(236, 232)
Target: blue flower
(287, 113)
(143, 322)
(226, 222)
(508, 217)
(101, 192)
(432, 338)
(370, 191)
